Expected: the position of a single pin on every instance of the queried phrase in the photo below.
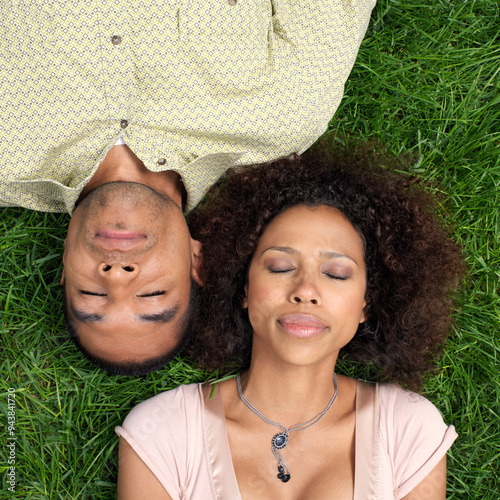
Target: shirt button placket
(118, 63)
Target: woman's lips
(302, 325)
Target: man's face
(128, 264)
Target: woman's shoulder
(166, 405)
(404, 404)
(165, 431)
(395, 398)
(403, 415)
(412, 437)
(410, 424)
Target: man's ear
(196, 259)
(64, 263)
(244, 302)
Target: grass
(427, 82)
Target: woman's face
(306, 285)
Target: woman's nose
(306, 291)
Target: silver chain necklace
(280, 440)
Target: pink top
(181, 436)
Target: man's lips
(120, 235)
(302, 325)
(119, 240)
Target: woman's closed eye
(153, 294)
(337, 272)
(282, 270)
(337, 276)
(279, 270)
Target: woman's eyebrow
(324, 253)
(288, 250)
(336, 255)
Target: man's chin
(117, 192)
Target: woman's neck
(289, 394)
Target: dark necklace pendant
(280, 440)
(284, 477)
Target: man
(128, 265)
(123, 115)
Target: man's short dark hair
(138, 368)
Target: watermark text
(11, 439)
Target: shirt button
(162, 161)
(232, 2)
(116, 40)
(124, 124)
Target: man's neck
(121, 164)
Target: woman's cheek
(263, 302)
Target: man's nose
(118, 271)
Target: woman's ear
(363, 313)
(244, 303)
(196, 262)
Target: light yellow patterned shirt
(193, 86)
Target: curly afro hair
(412, 263)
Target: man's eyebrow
(85, 317)
(164, 316)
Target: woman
(304, 257)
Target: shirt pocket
(228, 41)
